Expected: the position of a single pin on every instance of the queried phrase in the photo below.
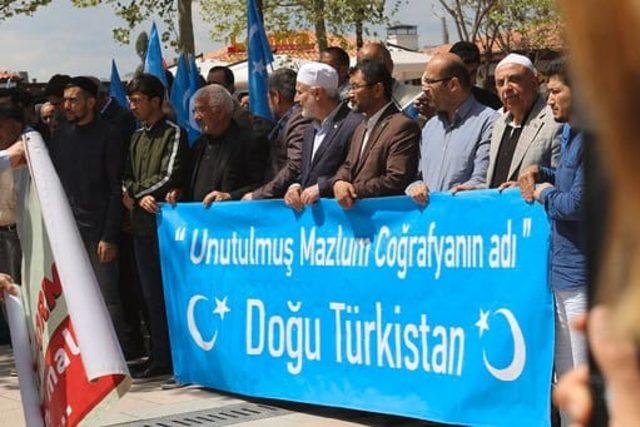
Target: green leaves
(9, 8)
(525, 25)
(228, 17)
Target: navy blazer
(331, 153)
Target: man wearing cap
(455, 142)
(326, 141)
(383, 153)
(285, 140)
(87, 155)
(526, 134)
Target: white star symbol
(258, 67)
(252, 31)
(482, 322)
(221, 307)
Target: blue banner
(440, 313)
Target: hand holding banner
(441, 313)
(79, 366)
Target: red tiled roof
(297, 44)
(6, 75)
(554, 41)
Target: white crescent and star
(515, 368)
(221, 309)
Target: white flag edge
(99, 347)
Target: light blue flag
(116, 88)
(259, 57)
(153, 63)
(181, 93)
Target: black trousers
(132, 300)
(10, 263)
(148, 262)
(107, 277)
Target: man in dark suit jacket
(227, 162)
(285, 140)
(326, 141)
(384, 151)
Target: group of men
(340, 132)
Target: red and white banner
(77, 364)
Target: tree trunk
(359, 28)
(186, 43)
(359, 35)
(319, 23)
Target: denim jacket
(564, 204)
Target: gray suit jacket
(539, 142)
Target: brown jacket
(390, 159)
(285, 154)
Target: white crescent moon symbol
(193, 328)
(513, 371)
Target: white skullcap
(516, 58)
(318, 74)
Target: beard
(72, 118)
(355, 106)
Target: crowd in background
(339, 132)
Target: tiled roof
(300, 44)
(553, 42)
(6, 75)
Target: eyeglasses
(431, 82)
(353, 87)
(201, 109)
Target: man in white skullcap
(526, 134)
(326, 142)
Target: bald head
(376, 51)
(450, 65)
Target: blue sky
(62, 39)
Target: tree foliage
(10, 8)
(469, 16)
(135, 12)
(525, 25)
(228, 17)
